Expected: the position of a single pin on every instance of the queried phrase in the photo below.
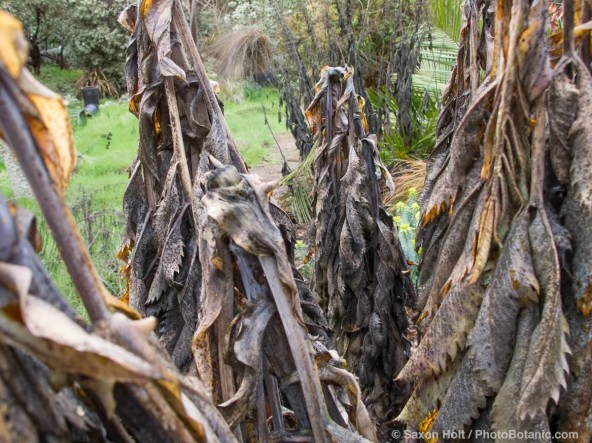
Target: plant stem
(301, 351)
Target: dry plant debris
(505, 267)
(360, 275)
(113, 378)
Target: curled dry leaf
(84, 381)
(60, 342)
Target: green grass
(246, 121)
(59, 80)
(106, 144)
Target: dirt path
(271, 169)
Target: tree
(84, 33)
(46, 25)
(98, 44)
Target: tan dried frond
(407, 175)
(242, 54)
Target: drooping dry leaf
(504, 232)
(427, 396)
(30, 322)
(248, 350)
(151, 400)
(546, 364)
(446, 335)
(463, 151)
(577, 208)
(46, 114)
(504, 412)
(360, 274)
(512, 286)
(465, 396)
(572, 139)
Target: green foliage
(85, 32)
(303, 261)
(446, 17)
(41, 18)
(98, 42)
(253, 92)
(438, 58)
(248, 13)
(47, 26)
(395, 146)
(406, 219)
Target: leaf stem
(301, 351)
(568, 28)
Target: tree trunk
(35, 57)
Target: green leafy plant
(395, 146)
(438, 58)
(303, 259)
(406, 218)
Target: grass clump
(242, 54)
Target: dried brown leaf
(446, 335)
(504, 412)
(545, 368)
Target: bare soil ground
(271, 169)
